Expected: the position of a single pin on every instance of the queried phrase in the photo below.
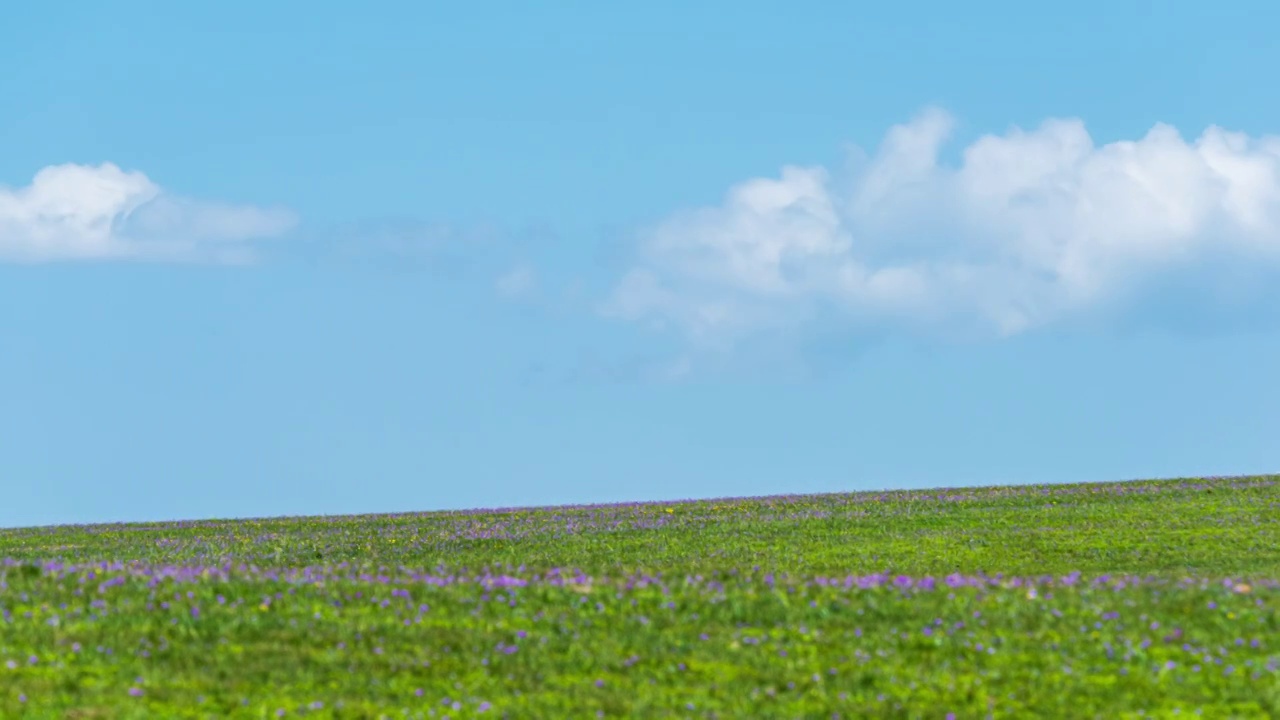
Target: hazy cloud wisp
(520, 281)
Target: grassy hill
(1102, 600)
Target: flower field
(1138, 599)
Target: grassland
(1144, 599)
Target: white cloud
(1029, 228)
(83, 212)
(520, 281)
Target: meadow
(1119, 600)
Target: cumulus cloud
(84, 212)
(1028, 228)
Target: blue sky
(294, 258)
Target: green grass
(1105, 600)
